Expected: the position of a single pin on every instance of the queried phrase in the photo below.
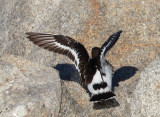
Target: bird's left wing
(62, 45)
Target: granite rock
(146, 98)
(90, 22)
(28, 89)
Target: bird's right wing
(109, 44)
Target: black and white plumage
(95, 72)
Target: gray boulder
(28, 89)
(145, 102)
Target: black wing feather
(110, 43)
(63, 45)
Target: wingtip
(120, 31)
(29, 33)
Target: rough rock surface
(28, 89)
(147, 92)
(90, 22)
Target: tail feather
(102, 96)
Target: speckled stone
(91, 22)
(146, 98)
(28, 89)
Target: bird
(95, 72)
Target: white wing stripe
(103, 50)
(71, 50)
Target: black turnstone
(95, 72)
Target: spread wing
(63, 45)
(109, 44)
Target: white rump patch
(97, 79)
